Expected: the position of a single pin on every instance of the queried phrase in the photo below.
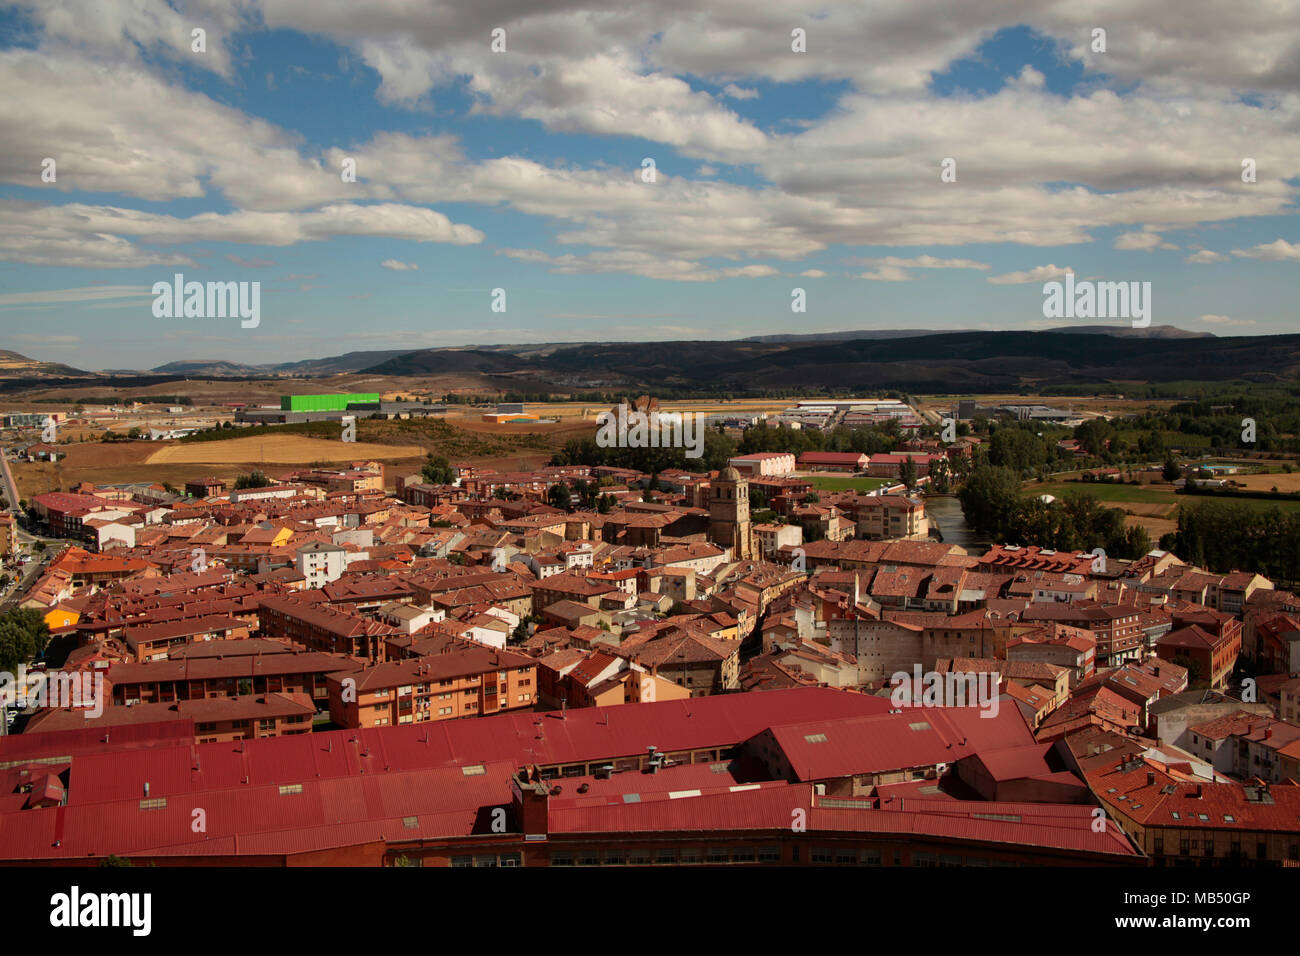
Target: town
(775, 661)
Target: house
(205, 487)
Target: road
(10, 489)
(27, 577)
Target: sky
(500, 145)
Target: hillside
(16, 365)
(946, 361)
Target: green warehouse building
(326, 403)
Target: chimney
(1151, 777)
(530, 801)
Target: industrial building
(328, 403)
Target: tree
(437, 471)
(1095, 435)
(134, 433)
(941, 476)
(1171, 471)
(989, 498)
(907, 473)
(257, 479)
(559, 497)
(1017, 448)
(23, 635)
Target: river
(945, 511)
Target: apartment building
(320, 627)
(463, 679)
(892, 516)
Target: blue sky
(521, 170)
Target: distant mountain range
(942, 361)
(1151, 332)
(915, 360)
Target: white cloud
(122, 28)
(887, 274)
(1225, 320)
(1036, 274)
(813, 274)
(90, 293)
(397, 266)
(637, 263)
(1142, 242)
(1277, 251)
(1205, 256)
(732, 91)
(75, 234)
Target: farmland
(279, 450)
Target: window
(691, 855)
(615, 858)
(462, 861)
(871, 857)
(769, 854)
(716, 855)
(923, 859)
(561, 859)
(665, 857)
(588, 858)
(820, 855)
(511, 859)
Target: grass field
(847, 483)
(1156, 508)
(1104, 491)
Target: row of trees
(865, 440)
(995, 505)
(255, 479)
(719, 447)
(1226, 536)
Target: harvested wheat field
(1156, 527)
(1282, 481)
(279, 450)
